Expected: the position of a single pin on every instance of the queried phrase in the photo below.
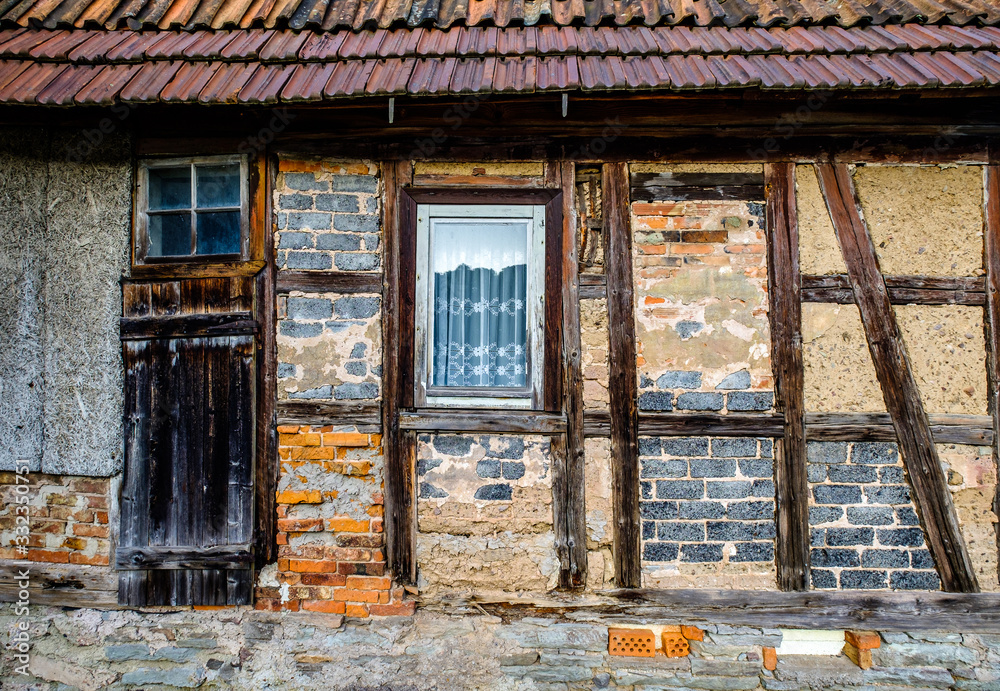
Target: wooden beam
(145, 273)
(571, 524)
(783, 282)
(400, 496)
(222, 557)
(57, 585)
(321, 413)
(903, 290)
(329, 281)
(899, 388)
(188, 326)
(593, 287)
(683, 186)
(622, 379)
(991, 252)
(488, 421)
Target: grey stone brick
(309, 260)
(852, 473)
(371, 205)
(295, 241)
(737, 489)
(338, 241)
(180, 677)
(357, 307)
(837, 494)
(687, 328)
(766, 448)
(915, 580)
(701, 509)
(907, 516)
(656, 400)
(356, 224)
(513, 470)
(355, 183)
(730, 448)
(258, 630)
(750, 510)
(649, 530)
(891, 475)
(372, 241)
(736, 380)
(309, 308)
(816, 472)
(674, 531)
(281, 259)
(753, 551)
(698, 553)
(841, 537)
(351, 391)
(762, 488)
(885, 559)
(649, 446)
(453, 444)
(510, 448)
(901, 537)
(751, 467)
(356, 368)
(817, 537)
(912, 677)
(429, 491)
(658, 509)
(300, 330)
(824, 514)
(488, 469)
(646, 489)
(869, 515)
(875, 452)
(823, 579)
(305, 182)
(740, 531)
(834, 558)
(826, 452)
(888, 494)
(425, 465)
(862, 579)
(921, 654)
(356, 261)
(679, 380)
(668, 468)
(499, 492)
(724, 668)
(323, 392)
(685, 446)
(711, 467)
(921, 559)
(659, 551)
(296, 202)
(699, 401)
(359, 350)
(308, 220)
(644, 381)
(749, 400)
(679, 489)
(286, 369)
(337, 202)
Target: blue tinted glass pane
(219, 233)
(218, 186)
(170, 188)
(169, 235)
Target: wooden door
(187, 500)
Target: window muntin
(479, 312)
(192, 208)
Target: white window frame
(480, 397)
(141, 232)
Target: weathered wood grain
(187, 326)
(493, 421)
(329, 281)
(64, 586)
(903, 290)
(170, 557)
(622, 385)
(899, 389)
(703, 186)
(991, 254)
(328, 413)
(785, 313)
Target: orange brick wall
(68, 519)
(331, 552)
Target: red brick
(328, 606)
(281, 538)
(345, 439)
(97, 502)
(290, 606)
(96, 560)
(691, 248)
(704, 236)
(267, 604)
(653, 249)
(863, 640)
(49, 527)
(288, 429)
(301, 439)
(100, 517)
(349, 595)
(311, 566)
(310, 496)
(89, 486)
(48, 556)
(330, 579)
(368, 583)
(300, 525)
(394, 609)
(344, 524)
(75, 543)
(85, 530)
(312, 453)
(356, 610)
(770, 658)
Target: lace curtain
(479, 304)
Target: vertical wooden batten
(569, 502)
(622, 384)
(784, 289)
(991, 252)
(399, 447)
(899, 388)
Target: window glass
(479, 300)
(169, 235)
(218, 186)
(170, 188)
(219, 233)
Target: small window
(192, 208)
(480, 305)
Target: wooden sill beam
(489, 421)
(903, 290)
(329, 281)
(899, 389)
(321, 413)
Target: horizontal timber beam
(321, 413)
(329, 281)
(188, 326)
(223, 557)
(62, 586)
(492, 421)
(701, 186)
(903, 290)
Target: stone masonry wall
(707, 510)
(68, 520)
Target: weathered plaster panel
(599, 514)
(594, 356)
(696, 168)
(924, 220)
(22, 244)
(482, 168)
(947, 350)
(972, 479)
(819, 250)
(839, 375)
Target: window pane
(170, 188)
(219, 233)
(169, 235)
(218, 186)
(479, 303)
